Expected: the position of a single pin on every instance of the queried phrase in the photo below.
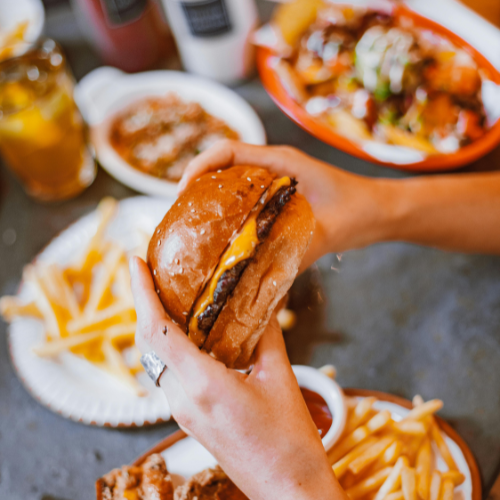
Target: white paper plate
(70, 385)
(188, 457)
(106, 90)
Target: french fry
(43, 303)
(58, 288)
(106, 211)
(369, 484)
(424, 410)
(435, 486)
(370, 455)
(361, 414)
(329, 370)
(408, 483)
(400, 137)
(413, 427)
(348, 480)
(351, 403)
(117, 367)
(116, 311)
(341, 466)
(293, 18)
(11, 307)
(120, 332)
(456, 477)
(122, 285)
(447, 488)
(389, 457)
(397, 495)
(418, 400)
(393, 481)
(423, 469)
(361, 433)
(442, 446)
(391, 454)
(290, 81)
(103, 279)
(55, 347)
(135, 363)
(353, 128)
(99, 283)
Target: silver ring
(154, 366)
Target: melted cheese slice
(241, 248)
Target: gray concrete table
(392, 317)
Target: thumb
(270, 354)
(155, 331)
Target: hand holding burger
(257, 426)
(226, 253)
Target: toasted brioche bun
(189, 242)
(264, 283)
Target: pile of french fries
(378, 458)
(87, 307)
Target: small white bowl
(312, 379)
(14, 12)
(105, 91)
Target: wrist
(368, 214)
(388, 216)
(310, 477)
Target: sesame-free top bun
(189, 241)
(263, 284)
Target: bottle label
(207, 18)
(123, 11)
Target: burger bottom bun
(264, 283)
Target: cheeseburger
(226, 253)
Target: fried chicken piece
(210, 484)
(149, 482)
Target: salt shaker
(213, 36)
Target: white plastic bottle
(213, 36)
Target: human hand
(347, 207)
(257, 426)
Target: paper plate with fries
(391, 449)
(73, 321)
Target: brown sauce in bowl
(319, 410)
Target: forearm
(452, 212)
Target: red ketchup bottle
(129, 34)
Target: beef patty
(228, 281)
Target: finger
(149, 309)
(220, 155)
(270, 354)
(281, 160)
(171, 344)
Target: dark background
(392, 317)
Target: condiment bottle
(213, 36)
(129, 34)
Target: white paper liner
(70, 385)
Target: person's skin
(453, 212)
(257, 426)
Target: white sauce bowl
(312, 379)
